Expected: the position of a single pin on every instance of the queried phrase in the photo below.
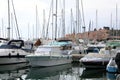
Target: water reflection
(111, 76)
(62, 72)
(12, 72)
(93, 74)
(49, 73)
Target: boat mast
(8, 20)
(116, 20)
(11, 25)
(77, 16)
(52, 19)
(111, 25)
(49, 19)
(96, 24)
(28, 32)
(56, 21)
(36, 21)
(71, 21)
(63, 18)
(44, 21)
(111, 21)
(83, 14)
(3, 29)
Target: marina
(59, 40)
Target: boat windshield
(9, 47)
(43, 50)
(94, 49)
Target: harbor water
(72, 71)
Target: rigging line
(49, 19)
(16, 20)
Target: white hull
(48, 61)
(8, 61)
(13, 52)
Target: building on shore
(99, 35)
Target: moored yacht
(99, 60)
(13, 53)
(54, 53)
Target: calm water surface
(62, 72)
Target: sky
(26, 15)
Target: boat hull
(95, 64)
(112, 69)
(12, 60)
(35, 61)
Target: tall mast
(56, 21)
(83, 14)
(36, 21)
(111, 21)
(96, 19)
(52, 19)
(111, 25)
(8, 20)
(77, 16)
(11, 25)
(28, 31)
(3, 29)
(43, 30)
(71, 21)
(63, 18)
(116, 20)
(96, 24)
(33, 31)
